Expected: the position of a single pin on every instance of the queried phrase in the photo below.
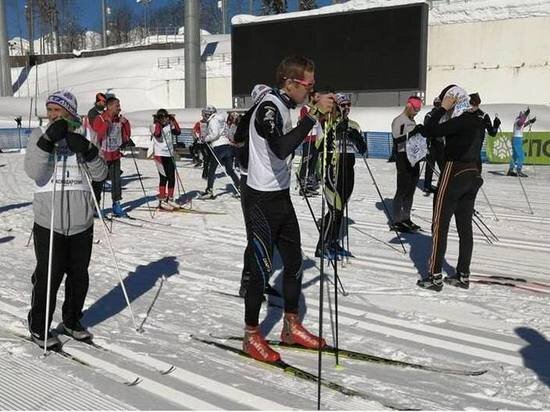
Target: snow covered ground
(178, 267)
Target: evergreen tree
(307, 4)
(274, 6)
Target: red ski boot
(255, 345)
(294, 333)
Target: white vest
(160, 147)
(69, 176)
(266, 172)
(113, 140)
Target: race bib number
(416, 148)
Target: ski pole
(224, 171)
(50, 254)
(478, 215)
(322, 264)
(111, 249)
(489, 240)
(30, 237)
(521, 182)
(489, 203)
(141, 181)
(525, 194)
(383, 203)
(344, 233)
(344, 293)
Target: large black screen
(366, 50)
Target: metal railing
(178, 61)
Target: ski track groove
(409, 334)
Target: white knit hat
(65, 99)
(342, 99)
(258, 92)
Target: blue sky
(89, 11)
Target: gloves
(79, 144)
(533, 120)
(54, 133)
(496, 123)
(527, 112)
(57, 130)
(419, 128)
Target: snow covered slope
(179, 268)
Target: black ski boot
(52, 341)
(460, 280)
(432, 282)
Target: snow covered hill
(180, 268)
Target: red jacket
(111, 134)
(197, 130)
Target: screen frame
(423, 47)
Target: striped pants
(456, 195)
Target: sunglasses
(301, 82)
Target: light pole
(103, 25)
(146, 5)
(222, 4)
(5, 71)
(192, 53)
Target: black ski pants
(436, 154)
(169, 175)
(456, 195)
(206, 157)
(71, 256)
(407, 178)
(339, 182)
(271, 221)
(116, 180)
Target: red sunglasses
(308, 85)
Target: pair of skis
(219, 343)
(512, 282)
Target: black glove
(54, 133)
(129, 143)
(57, 130)
(527, 112)
(79, 144)
(362, 148)
(533, 120)
(419, 128)
(496, 123)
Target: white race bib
(69, 176)
(416, 148)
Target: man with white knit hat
(62, 162)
